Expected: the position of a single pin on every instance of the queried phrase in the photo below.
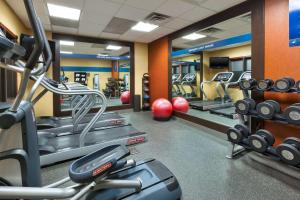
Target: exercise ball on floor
(125, 97)
(180, 104)
(162, 109)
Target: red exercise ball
(162, 109)
(125, 97)
(180, 104)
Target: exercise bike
(103, 174)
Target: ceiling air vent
(211, 30)
(157, 18)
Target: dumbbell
(264, 85)
(292, 113)
(244, 106)
(289, 151)
(247, 84)
(261, 140)
(284, 84)
(268, 109)
(238, 133)
(297, 85)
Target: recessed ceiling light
(66, 52)
(194, 36)
(100, 54)
(63, 12)
(144, 27)
(113, 47)
(66, 43)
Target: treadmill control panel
(223, 76)
(246, 76)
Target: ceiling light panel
(66, 43)
(113, 47)
(66, 52)
(63, 12)
(194, 36)
(144, 27)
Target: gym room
(150, 100)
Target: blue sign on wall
(221, 43)
(294, 22)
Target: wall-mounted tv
(218, 62)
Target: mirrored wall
(102, 67)
(207, 66)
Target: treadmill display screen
(223, 77)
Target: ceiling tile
(61, 29)
(47, 27)
(161, 31)
(230, 24)
(109, 35)
(132, 13)
(95, 18)
(177, 23)
(145, 4)
(174, 8)
(220, 5)
(116, 1)
(102, 7)
(131, 35)
(44, 18)
(90, 29)
(196, 14)
(72, 4)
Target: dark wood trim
(214, 19)
(9, 34)
(239, 58)
(258, 49)
(56, 68)
(201, 121)
(170, 70)
(201, 73)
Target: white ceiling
(89, 48)
(96, 14)
(233, 27)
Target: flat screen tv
(218, 62)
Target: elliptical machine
(104, 174)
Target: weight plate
(293, 141)
(275, 104)
(245, 84)
(242, 107)
(292, 114)
(265, 110)
(234, 135)
(296, 104)
(298, 85)
(258, 143)
(262, 85)
(243, 128)
(289, 154)
(282, 85)
(267, 135)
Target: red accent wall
(158, 69)
(280, 60)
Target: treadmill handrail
(228, 85)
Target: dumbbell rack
(239, 149)
(146, 92)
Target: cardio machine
(188, 80)
(103, 174)
(221, 79)
(229, 111)
(176, 80)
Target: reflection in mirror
(207, 66)
(97, 66)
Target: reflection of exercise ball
(125, 97)
(180, 104)
(162, 109)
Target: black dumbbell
(264, 85)
(292, 113)
(238, 133)
(261, 140)
(268, 109)
(244, 106)
(289, 151)
(297, 85)
(284, 84)
(248, 84)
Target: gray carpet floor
(196, 155)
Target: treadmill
(221, 79)
(56, 147)
(229, 111)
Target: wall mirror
(208, 64)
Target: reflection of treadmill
(222, 101)
(229, 111)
